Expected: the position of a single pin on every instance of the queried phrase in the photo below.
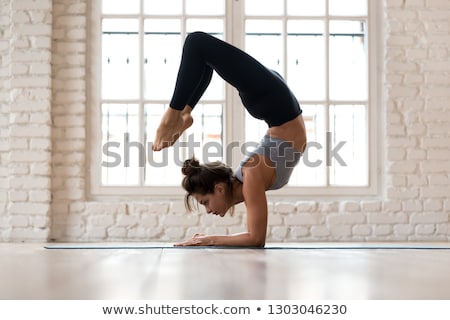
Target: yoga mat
(311, 246)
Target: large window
(321, 47)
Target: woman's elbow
(259, 242)
(256, 238)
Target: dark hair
(202, 178)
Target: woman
(266, 96)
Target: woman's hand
(197, 240)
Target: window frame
(233, 115)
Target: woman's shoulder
(258, 169)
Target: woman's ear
(220, 187)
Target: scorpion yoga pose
(266, 96)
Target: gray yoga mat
(309, 246)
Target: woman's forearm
(244, 239)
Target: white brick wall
(26, 119)
(5, 83)
(417, 62)
(43, 141)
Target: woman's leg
(201, 54)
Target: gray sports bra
(282, 154)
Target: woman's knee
(196, 38)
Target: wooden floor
(29, 271)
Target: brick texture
(26, 119)
(44, 141)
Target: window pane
(159, 7)
(306, 7)
(122, 154)
(205, 7)
(120, 6)
(349, 165)
(120, 59)
(163, 168)
(255, 130)
(306, 59)
(264, 41)
(312, 170)
(206, 132)
(162, 50)
(348, 61)
(348, 7)
(214, 27)
(264, 7)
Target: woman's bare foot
(173, 124)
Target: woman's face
(215, 203)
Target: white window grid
(234, 126)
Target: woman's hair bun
(191, 167)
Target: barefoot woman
(266, 96)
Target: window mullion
(142, 134)
(327, 85)
(183, 21)
(234, 114)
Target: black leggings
(264, 93)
